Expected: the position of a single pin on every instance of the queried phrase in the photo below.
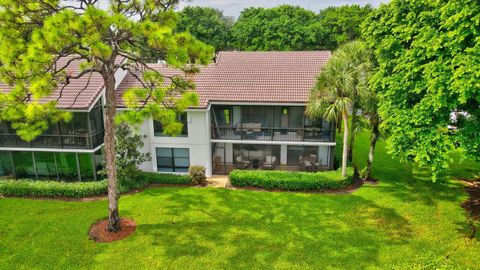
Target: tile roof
(257, 77)
(80, 94)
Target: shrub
(197, 174)
(125, 185)
(52, 189)
(294, 181)
(166, 178)
(32, 188)
(128, 156)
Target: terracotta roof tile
(80, 94)
(263, 77)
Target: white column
(208, 144)
(229, 152)
(283, 154)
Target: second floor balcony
(269, 123)
(77, 141)
(84, 131)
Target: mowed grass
(406, 221)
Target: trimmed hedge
(32, 188)
(52, 189)
(292, 181)
(166, 178)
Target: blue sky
(234, 7)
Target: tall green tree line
(283, 28)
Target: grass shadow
(261, 230)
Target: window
(182, 118)
(6, 165)
(46, 165)
(173, 159)
(24, 167)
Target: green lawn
(404, 221)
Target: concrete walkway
(220, 181)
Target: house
(250, 116)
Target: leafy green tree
(343, 23)
(283, 28)
(208, 25)
(35, 35)
(428, 54)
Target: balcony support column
(56, 165)
(78, 168)
(89, 126)
(94, 169)
(34, 165)
(14, 173)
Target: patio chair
(270, 163)
(241, 164)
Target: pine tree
(36, 34)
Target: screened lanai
(51, 165)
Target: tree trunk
(345, 143)
(339, 123)
(352, 131)
(371, 152)
(113, 194)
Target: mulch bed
(98, 231)
(371, 181)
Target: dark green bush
(51, 189)
(166, 178)
(32, 188)
(294, 181)
(197, 174)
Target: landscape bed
(292, 181)
(55, 189)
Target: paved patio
(220, 181)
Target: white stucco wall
(199, 144)
(197, 141)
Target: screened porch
(227, 157)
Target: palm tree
(330, 98)
(342, 85)
(355, 53)
(370, 111)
